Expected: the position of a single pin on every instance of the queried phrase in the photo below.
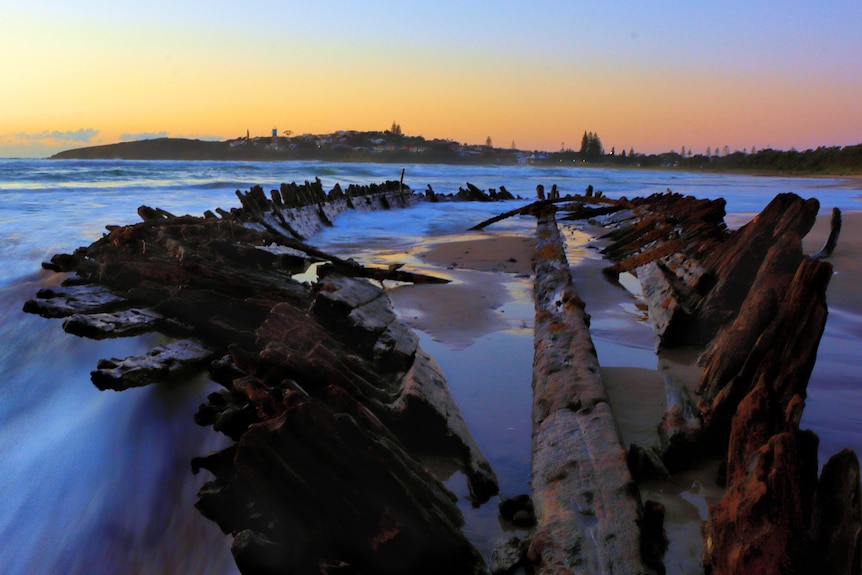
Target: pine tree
(591, 146)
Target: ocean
(100, 482)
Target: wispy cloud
(128, 137)
(84, 135)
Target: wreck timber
(327, 394)
(586, 502)
(300, 211)
(757, 305)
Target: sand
(845, 288)
(481, 265)
(491, 271)
(494, 253)
(487, 272)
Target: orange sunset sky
(650, 76)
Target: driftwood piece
(147, 214)
(832, 240)
(585, 500)
(689, 272)
(647, 232)
(735, 341)
(577, 212)
(662, 250)
(364, 313)
(302, 360)
(162, 363)
(671, 312)
(645, 463)
(659, 296)
(396, 346)
(759, 525)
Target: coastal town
(392, 142)
(394, 146)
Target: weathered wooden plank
(585, 499)
(79, 299)
(735, 265)
(425, 404)
(125, 323)
(163, 363)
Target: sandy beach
(469, 304)
(846, 284)
(487, 271)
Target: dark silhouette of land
(395, 147)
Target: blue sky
(653, 77)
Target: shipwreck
(330, 400)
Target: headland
(395, 147)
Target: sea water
(100, 482)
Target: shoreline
(846, 261)
(853, 176)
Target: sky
(649, 76)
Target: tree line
(824, 159)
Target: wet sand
(483, 267)
(491, 271)
(487, 272)
(846, 284)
